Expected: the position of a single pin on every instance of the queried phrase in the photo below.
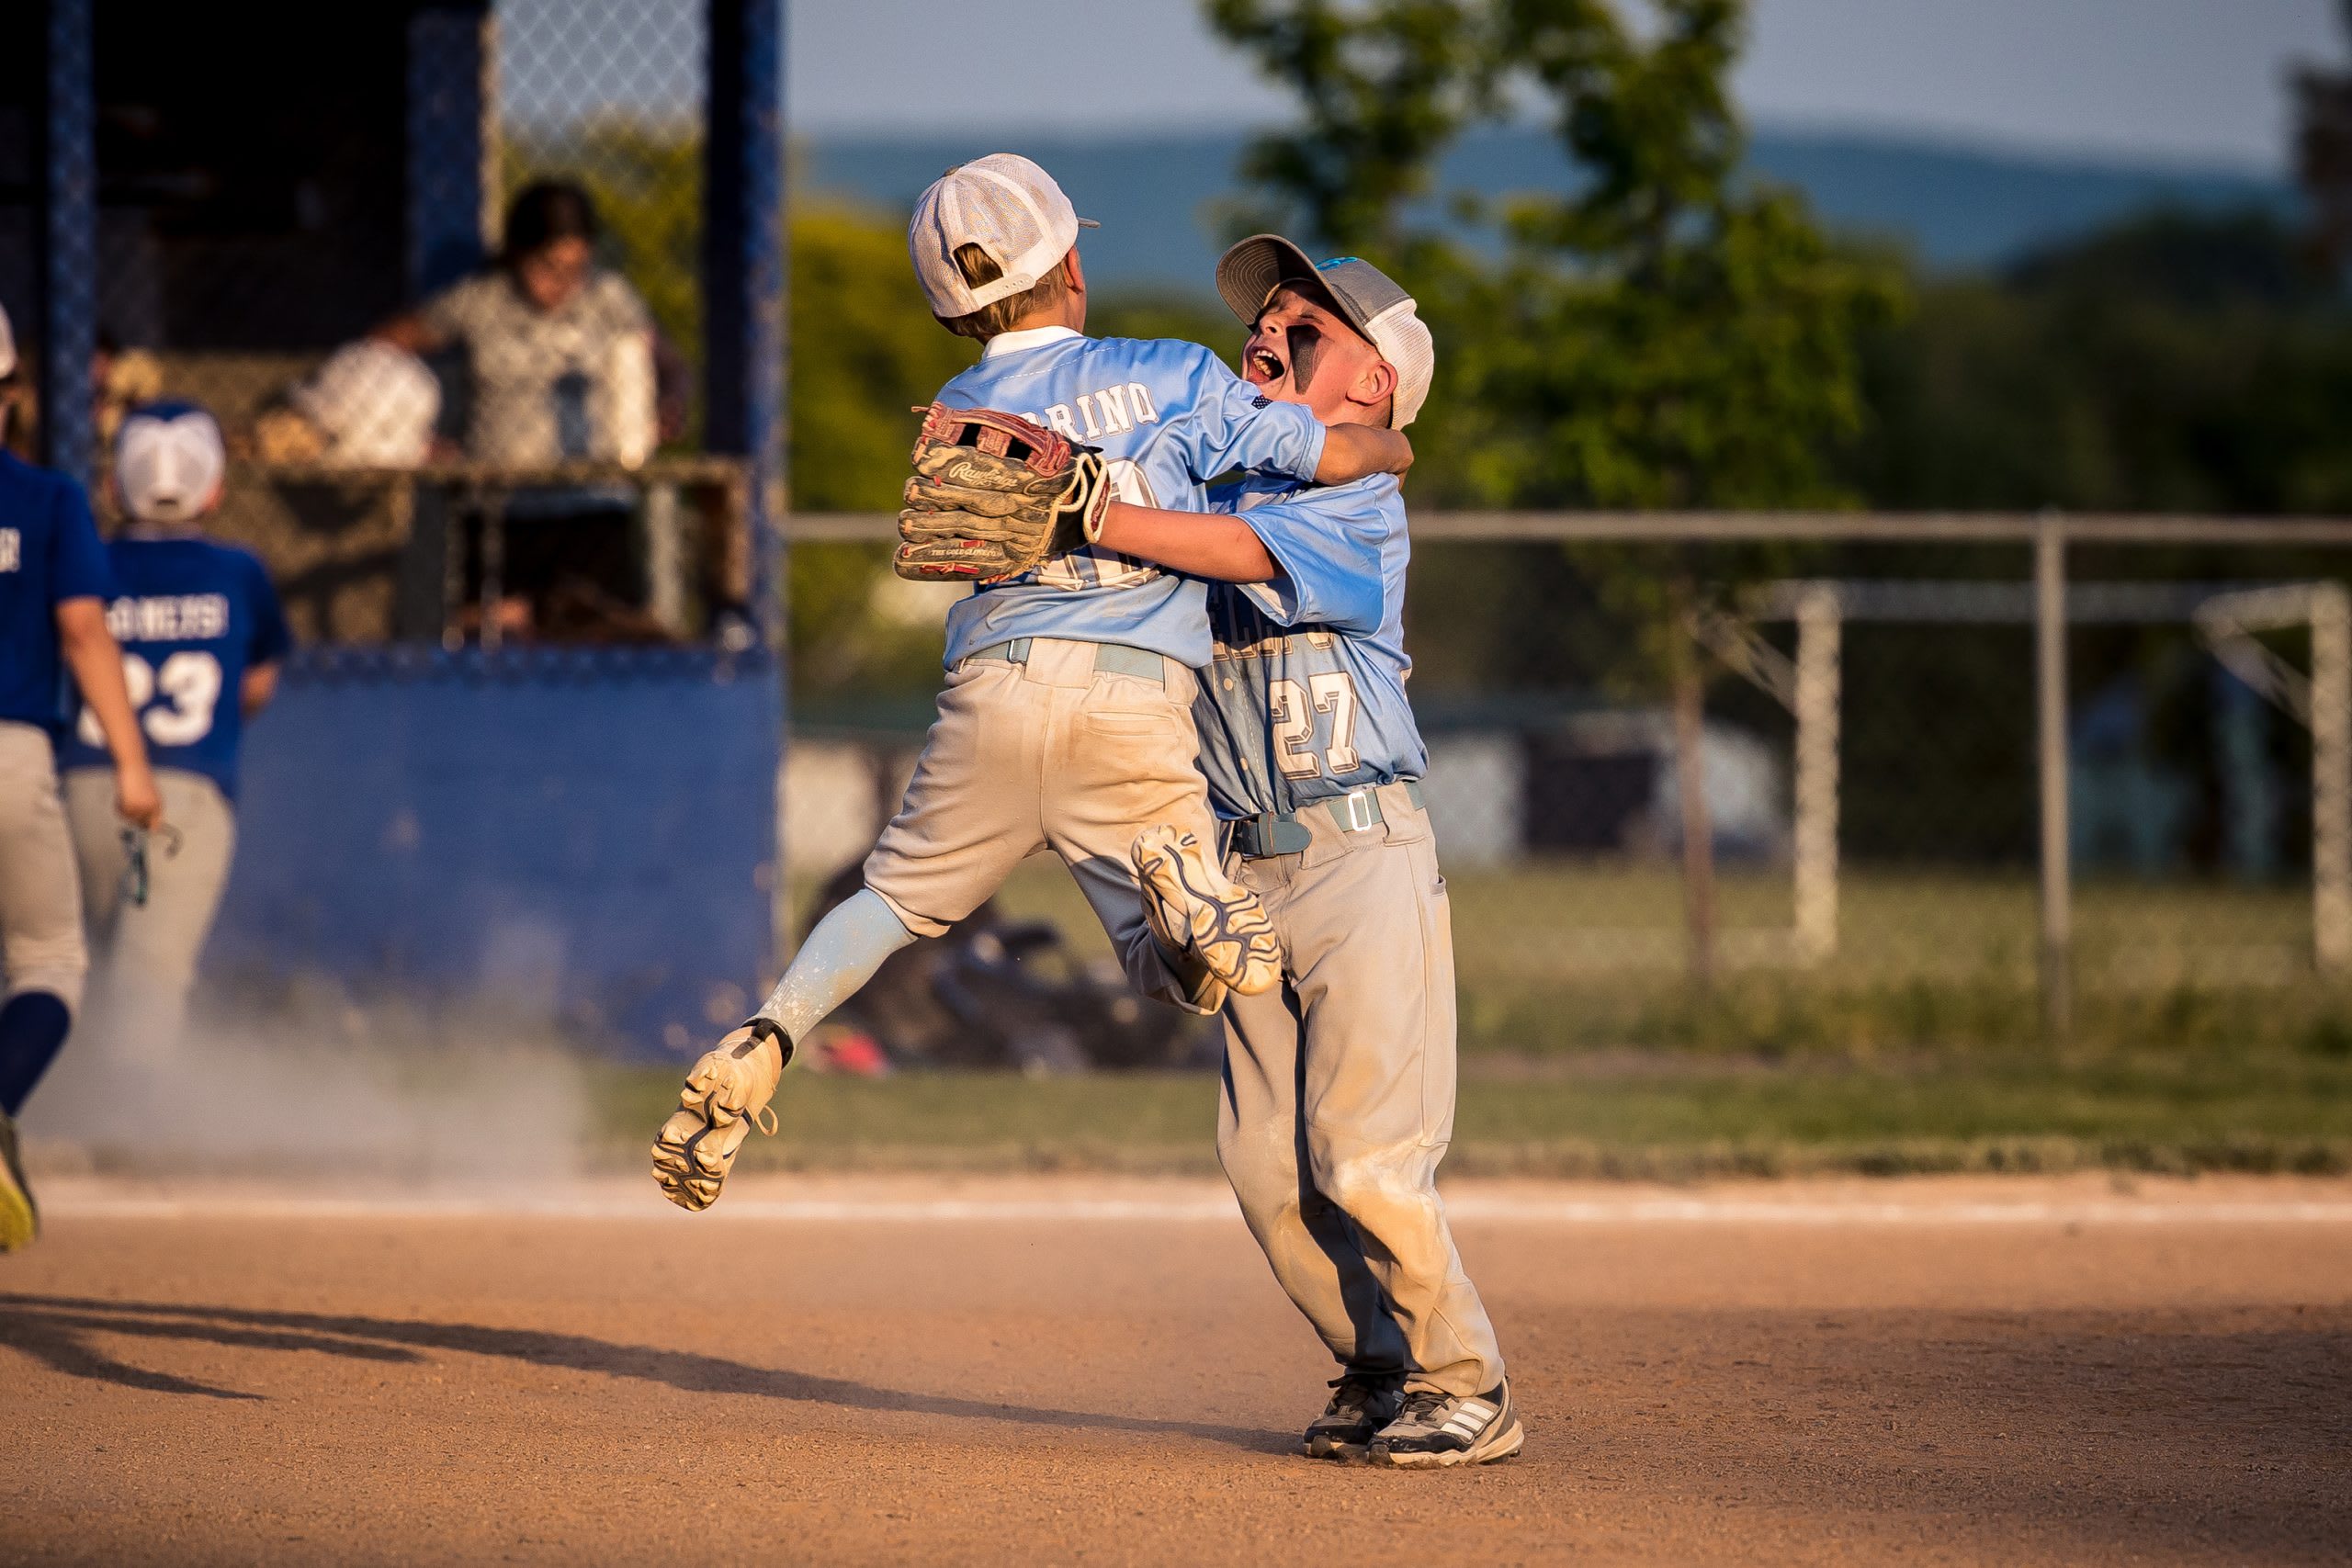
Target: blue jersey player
(202, 635)
(1339, 1086)
(1067, 720)
(53, 583)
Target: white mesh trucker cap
(1247, 274)
(1007, 205)
(168, 461)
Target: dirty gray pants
(41, 906)
(143, 955)
(1339, 1101)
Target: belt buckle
(1360, 816)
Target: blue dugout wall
(586, 836)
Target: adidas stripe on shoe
(1435, 1432)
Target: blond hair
(977, 268)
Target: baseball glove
(725, 1097)
(992, 495)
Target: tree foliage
(1661, 331)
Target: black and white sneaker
(1362, 1403)
(1434, 1430)
(20, 1215)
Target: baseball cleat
(1194, 907)
(726, 1095)
(1362, 1403)
(1435, 1431)
(20, 1215)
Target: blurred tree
(1383, 89)
(2323, 151)
(2171, 363)
(1663, 334)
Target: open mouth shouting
(1261, 365)
(1279, 352)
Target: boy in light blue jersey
(1067, 721)
(1338, 1099)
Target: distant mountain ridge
(1161, 197)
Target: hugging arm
(1199, 544)
(1352, 452)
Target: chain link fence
(442, 279)
(1873, 770)
(465, 347)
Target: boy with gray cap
(1339, 1086)
(1067, 721)
(53, 583)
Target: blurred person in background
(120, 378)
(563, 365)
(369, 406)
(202, 635)
(53, 585)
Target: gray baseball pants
(1337, 1101)
(41, 904)
(145, 954)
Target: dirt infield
(1064, 1371)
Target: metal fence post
(744, 283)
(1815, 850)
(2331, 722)
(452, 142)
(2050, 687)
(66, 271)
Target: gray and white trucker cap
(1007, 205)
(1247, 274)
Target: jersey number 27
(1296, 706)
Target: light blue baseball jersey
(1167, 417)
(1306, 697)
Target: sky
(2171, 81)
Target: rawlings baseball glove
(992, 495)
(725, 1097)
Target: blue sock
(32, 1027)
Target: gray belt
(1285, 832)
(1112, 658)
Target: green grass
(1669, 1115)
(1563, 957)
(2205, 1041)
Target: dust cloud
(320, 1089)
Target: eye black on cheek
(1306, 347)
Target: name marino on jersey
(169, 617)
(1110, 411)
